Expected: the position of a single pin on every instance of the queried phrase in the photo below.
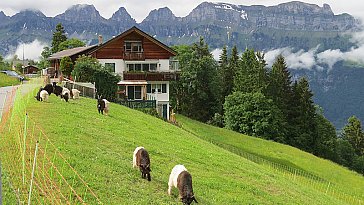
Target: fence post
(25, 138)
(33, 170)
(1, 185)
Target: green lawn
(8, 81)
(100, 149)
(345, 180)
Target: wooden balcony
(134, 56)
(151, 76)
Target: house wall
(162, 97)
(120, 65)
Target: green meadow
(100, 148)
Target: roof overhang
(132, 82)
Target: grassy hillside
(100, 148)
(347, 181)
(7, 81)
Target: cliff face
(260, 27)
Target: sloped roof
(140, 32)
(70, 52)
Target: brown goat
(141, 159)
(182, 179)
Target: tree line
(242, 94)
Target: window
(157, 88)
(138, 67)
(110, 67)
(130, 67)
(138, 92)
(133, 46)
(131, 92)
(127, 46)
(149, 88)
(164, 88)
(145, 67)
(142, 67)
(134, 92)
(153, 67)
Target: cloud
(294, 60)
(32, 50)
(216, 53)
(312, 58)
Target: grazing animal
(75, 94)
(57, 90)
(181, 179)
(103, 105)
(49, 88)
(65, 94)
(44, 95)
(141, 160)
(38, 94)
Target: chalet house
(31, 69)
(145, 65)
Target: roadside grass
(346, 180)
(7, 80)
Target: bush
(358, 164)
(217, 120)
(88, 69)
(254, 114)
(151, 111)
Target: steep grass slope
(100, 148)
(347, 181)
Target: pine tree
(280, 89)
(303, 129)
(353, 132)
(58, 37)
(251, 75)
(226, 75)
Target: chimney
(100, 39)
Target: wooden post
(25, 138)
(33, 170)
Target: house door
(164, 111)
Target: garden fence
(39, 173)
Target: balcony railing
(134, 56)
(151, 76)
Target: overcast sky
(139, 9)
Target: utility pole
(23, 60)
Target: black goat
(49, 88)
(102, 105)
(38, 94)
(57, 90)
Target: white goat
(76, 94)
(66, 94)
(44, 95)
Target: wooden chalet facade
(145, 65)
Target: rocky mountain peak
(122, 15)
(297, 7)
(81, 12)
(29, 13)
(160, 15)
